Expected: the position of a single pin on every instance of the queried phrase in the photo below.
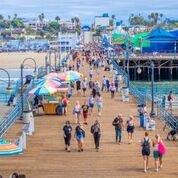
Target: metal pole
(175, 49)
(46, 64)
(21, 89)
(152, 89)
(9, 82)
(127, 59)
(55, 60)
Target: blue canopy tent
(160, 41)
(175, 33)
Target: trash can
(125, 94)
(27, 115)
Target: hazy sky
(87, 9)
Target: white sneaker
(157, 170)
(144, 170)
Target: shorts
(84, 89)
(67, 139)
(156, 155)
(145, 152)
(99, 105)
(78, 88)
(130, 129)
(91, 105)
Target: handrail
(142, 98)
(14, 113)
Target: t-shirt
(85, 108)
(67, 130)
(118, 123)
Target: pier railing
(143, 98)
(15, 112)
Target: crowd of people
(91, 88)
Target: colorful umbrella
(7, 148)
(51, 75)
(53, 82)
(70, 76)
(43, 90)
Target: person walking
(103, 88)
(96, 131)
(78, 87)
(84, 86)
(67, 129)
(77, 112)
(80, 136)
(85, 109)
(146, 145)
(99, 103)
(170, 99)
(159, 150)
(116, 83)
(119, 126)
(107, 84)
(112, 89)
(91, 102)
(130, 128)
(64, 104)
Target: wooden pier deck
(45, 156)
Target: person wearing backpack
(96, 131)
(118, 124)
(159, 149)
(67, 129)
(146, 144)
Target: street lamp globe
(139, 70)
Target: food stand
(51, 103)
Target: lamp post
(21, 72)
(152, 113)
(127, 55)
(9, 82)
(139, 70)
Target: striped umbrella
(43, 90)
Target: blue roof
(175, 33)
(160, 34)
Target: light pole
(21, 72)
(127, 56)
(9, 82)
(152, 113)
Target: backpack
(162, 148)
(146, 145)
(92, 129)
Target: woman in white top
(77, 112)
(99, 103)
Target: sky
(87, 9)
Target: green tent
(117, 38)
(138, 40)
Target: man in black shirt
(67, 129)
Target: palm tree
(161, 16)
(113, 16)
(15, 16)
(1, 17)
(57, 18)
